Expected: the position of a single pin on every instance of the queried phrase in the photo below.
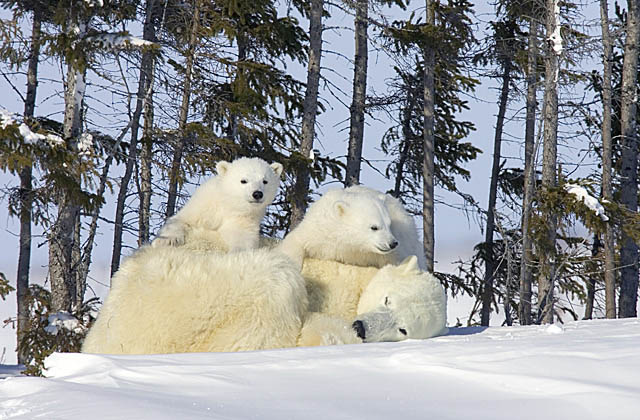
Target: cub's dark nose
(393, 244)
(358, 326)
(257, 195)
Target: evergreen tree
(409, 142)
(503, 48)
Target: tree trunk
(146, 151)
(489, 271)
(61, 264)
(508, 319)
(607, 190)
(144, 83)
(546, 279)
(26, 192)
(591, 281)
(428, 144)
(526, 275)
(629, 170)
(301, 186)
(174, 173)
(356, 131)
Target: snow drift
(585, 370)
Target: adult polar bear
(175, 299)
(392, 303)
(356, 225)
(225, 212)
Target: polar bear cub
(225, 212)
(357, 226)
(343, 226)
(403, 225)
(401, 302)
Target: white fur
(170, 300)
(325, 330)
(402, 302)
(403, 226)
(223, 214)
(345, 226)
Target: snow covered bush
(49, 331)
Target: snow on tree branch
(6, 118)
(31, 137)
(590, 201)
(28, 136)
(63, 321)
(115, 41)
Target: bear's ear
(410, 265)
(277, 168)
(222, 167)
(340, 208)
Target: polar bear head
(401, 302)
(248, 182)
(364, 223)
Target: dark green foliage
(454, 37)
(45, 335)
(5, 287)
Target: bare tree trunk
(526, 275)
(144, 83)
(26, 191)
(591, 281)
(174, 173)
(629, 170)
(546, 279)
(356, 131)
(489, 271)
(508, 319)
(428, 167)
(301, 186)
(24, 258)
(607, 190)
(144, 218)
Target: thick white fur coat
(357, 226)
(171, 300)
(225, 212)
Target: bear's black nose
(257, 195)
(393, 244)
(359, 327)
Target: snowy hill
(583, 370)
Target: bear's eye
(403, 331)
(265, 182)
(243, 181)
(374, 228)
(387, 302)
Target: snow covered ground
(582, 370)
